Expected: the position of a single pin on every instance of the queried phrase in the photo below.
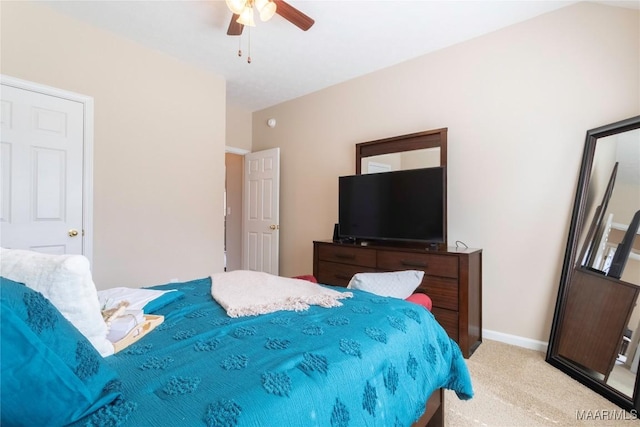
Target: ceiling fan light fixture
(266, 8)
(246, 17)
(236, 6)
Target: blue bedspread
(372, 362)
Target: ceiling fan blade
(293, 15)
(235, 28)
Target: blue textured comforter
(372, 362)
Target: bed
(371, 361)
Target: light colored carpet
(515, 387)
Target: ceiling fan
(243, 14)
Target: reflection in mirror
(411, 151)
(596, 330)
(415, 159)
(619, 153)
(622, 150)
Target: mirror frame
(577, 221)
(436, 138)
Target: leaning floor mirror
(595, 335)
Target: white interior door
(261, 229)
(42, 158)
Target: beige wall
(238, 128)
(517, 104)
(158, 150)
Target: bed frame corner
(433, 415)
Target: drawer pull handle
(345, 256)
(421, 264)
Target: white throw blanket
(248, 293)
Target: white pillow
(66, 281)
(397, 284)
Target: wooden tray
(149, 324)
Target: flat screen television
(408, 205)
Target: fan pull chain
(249, 46)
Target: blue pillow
(50, 373)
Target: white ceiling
(349, 39)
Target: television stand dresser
(452, 279)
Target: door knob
(73, 233)
(273, 227)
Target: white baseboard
(515, 340)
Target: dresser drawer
(443, 292)
(431, 264)
(448, 320)
(334, 273)
(348, 255)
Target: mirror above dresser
(416, 150)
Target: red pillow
(308, 277)
(421, 299)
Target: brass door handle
(274, 227)
(73, 233)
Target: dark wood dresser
(452, 279)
